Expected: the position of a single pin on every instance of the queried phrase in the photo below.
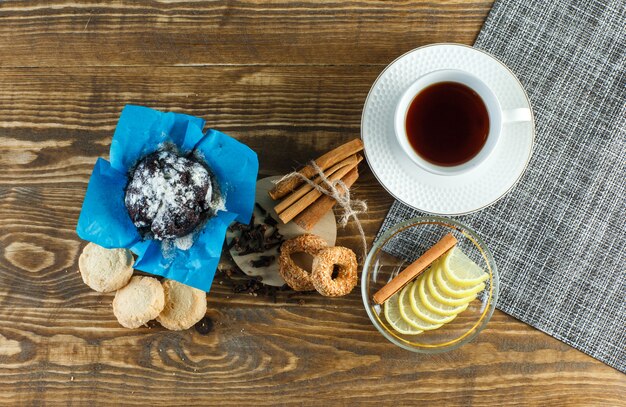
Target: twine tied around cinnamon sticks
(340, 192)
(312, 191)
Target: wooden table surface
(289, 79)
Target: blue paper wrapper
(140, 131)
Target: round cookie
(295, 277)
(105, 270)
(184, 306)
(325, 262)
(139, 302)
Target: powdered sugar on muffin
(168, 195)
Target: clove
(233, 243)
(263, 261)
(270, 221)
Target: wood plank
(295, 355)
(273, 97)
(94, 33)
(43, 162)
(54, 123)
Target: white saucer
(445, 194)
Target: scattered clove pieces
(274, 239)
(242, 283)
(255, 238)
(233, 242)
(270, 221)
(263, 261)
(242, 227)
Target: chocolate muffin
(168, 195)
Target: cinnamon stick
(304, 189)
(324, 162)
(308, 218)
(304, 202)
(415, 269)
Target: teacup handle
(516, 115)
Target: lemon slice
(395, 319)
(442, 297)
(447, 287)
(461, 270)
(432, 304)
(420, 309)
(407, 313)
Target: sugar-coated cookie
(139, 302)
(326, 262)
(184, 306)
(295, 277)
(105, 270)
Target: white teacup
(497, 118)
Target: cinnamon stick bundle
(305, 201)
(304, 189)
(324, 162)
(311, 215)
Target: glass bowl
(400, 246)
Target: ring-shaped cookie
(296, 277)
(324, 265)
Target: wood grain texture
(289, 79)
(97, 33)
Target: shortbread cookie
(105, 270)
(139, 302)
(184, 306)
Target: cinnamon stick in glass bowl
(415, 269)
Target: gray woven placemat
(559, 236)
